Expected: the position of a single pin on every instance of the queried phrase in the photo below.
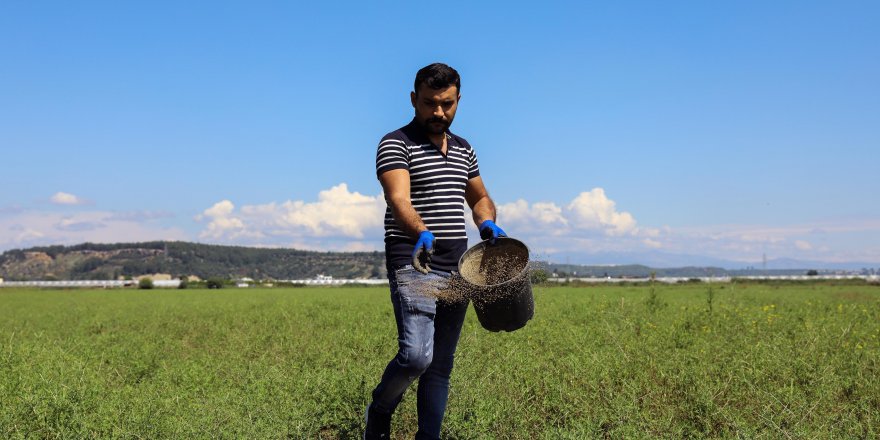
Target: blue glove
(424, 246)
(490, 231)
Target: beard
(435, 125)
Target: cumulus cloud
(591, 212)
(591, 222)
(63, 198)
(536, 216)
(342, 219)
(338, 214)
(594, 210)
(221, 222)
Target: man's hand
(424, 246)
(490, 231)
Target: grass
(688, 361)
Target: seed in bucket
(499, 283)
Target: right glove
(490, 231)
(423, 251)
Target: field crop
(679, 361)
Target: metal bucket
(498, 280)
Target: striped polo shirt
(437, 186)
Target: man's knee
(416, 360)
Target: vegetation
(112, 261)
(538, 276)
(125, 260)
(740, 361)
(145, 283)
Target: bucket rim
(485, 243)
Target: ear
(412, 99)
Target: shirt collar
(417, 134)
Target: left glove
(490, 231)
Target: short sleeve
(392, 154)
(473, 167)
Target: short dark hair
(437, 76)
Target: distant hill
(110, 261)
(640, 271)
(665, 260)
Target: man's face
(435, 109)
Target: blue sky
(683, 128)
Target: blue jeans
(427, 335)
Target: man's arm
(484, 210)
(395, 183)
(478, 199)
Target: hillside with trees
(111, 261)
(91, 261)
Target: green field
(696, 360)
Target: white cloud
(594, 210)
(220, 209)
(344, 220)
(592, 223)
(222, 223)
(63, 198)
(334, 220)
(337, 212)
(536, 217)
(591, 212)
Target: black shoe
(378, 425)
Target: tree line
(112, 261)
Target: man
(427, 174)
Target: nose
(438, 111)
